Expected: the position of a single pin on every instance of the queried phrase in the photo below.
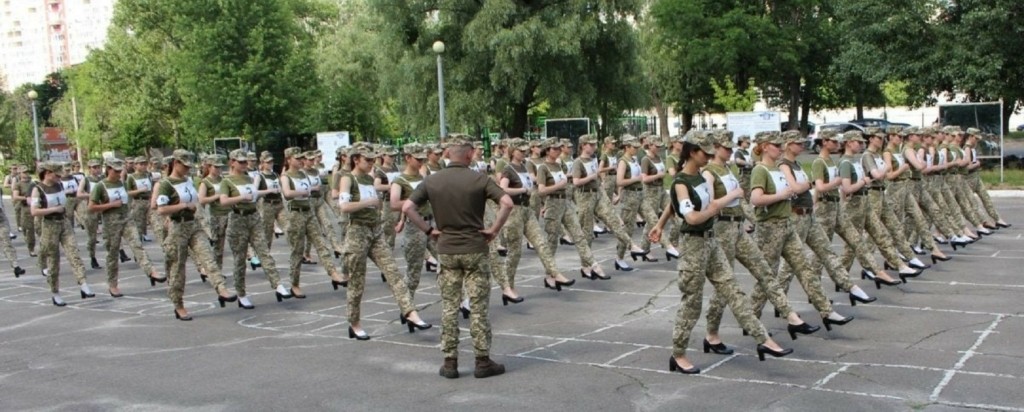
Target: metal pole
(1002, 141)
(440, 95)
(35, 130)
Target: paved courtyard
(948, 340)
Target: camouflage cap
(113, 163)
(656, 141)
(893, 130)
(552, 142)
(95, 163)
(851, 136)
(218, 160)
(828, 134)
(416, 150)
(365, 151)
(239, 155)
(297, 153)
(251, 156)
(907, 131)
(536, 143)
(611, 139)
(743, 138)
(266, 156)
(389, 150)
(768, 136)
(519, 144)
(952, 130)
(793, 136)
(701, 139)
(186, 157)
(630, 140)
(873, 132)
(436, 148)
(973, 131)
(129, 159)
(587, 139)
(309, 155)
(724, 138)
(51, 167)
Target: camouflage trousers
(736, 244)
(415, 248)
(365, 242)
(218, 230)
(473, 271)
(184, 239)
(831, 216)
(595, 204)
(56, 235)
(812, 235)
(18, 216)
(270, 213)
(703, 259)
(556, 214)
(936, 185)
(140, 214)
(536, 203)
(908, 201)
(864, 219)
(243, 232)
(304, 229)
(882, 209)
(323, 217)
(962, 194)
(203, 218)
(388, 220)
(520, 222)
(949, 191)
(91, 221)
(654, 202)
(159, 225)
(5, 240)
(935, 215)
(28, 226)
(69, 211)
(778, 239)
(632, 204)
(974, 182)
(117, 227)
(342, 228)
(609, 186)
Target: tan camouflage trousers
(186, 239)
(323, 217)
(936, 185)
(270, 213)
(244, 232)
(118, 227)
(609, 186)
(303, 229)
(204, 222)
(885, 207)
(218, 230)
(69, 211)
(557, 214)
(978, 187)
(703, 259)
(865, 220)
(947, 185)
(364, 243)
(596, 204)
(415, 248)
(388, 220)
(56, 235)
(833, 220)
(159, 225)
(917, 227)
(812, 235)
(778, 239)
(140, 214)
(5, 240)
(632, 203)
(654, 202)
(520, 222)
(17, 216)
(91, 221)
(473, 271)
(935, 215)
(736, 244)
(962, 194)
(28, 226)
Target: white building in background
(39, 37)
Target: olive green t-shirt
(25, 189)
(362, 189)
(850, 168)
(896, 162)
(914, 172)
(699, 197)
(804, 199)
(173, 191)
(551, 174)
(517, 179)
(724, 177)
(236, 185)
(769, 179)
(408, 183)
(825, 170)
(106, 191)
(213, 188)
(610, 159)
(315, 182)
(138, 181)
(871, 161)
(652, 166)
(457, 196)
(297, 182)
(632, 170)
(583, 167)
(270, 181)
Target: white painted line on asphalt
(624, 355)
(720, 363)
(995, 254)
(821, 382)
(963, 359)
(980, 406)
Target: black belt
(297, 208)
(830, 198)
(587, 189)
(54, 216)
(876, 188)
(244, 212)
(183, 219)
(70, 196)
(142, 197)
(860, 192)
(709, 234)
(272, 201)
(802, 211)
(633, 190)
(727, 218)
(556, 196)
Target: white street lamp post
(32, 95)
(439, 49)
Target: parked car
(880, 123)
(814, 143)
(1020, 128)
(810, 126)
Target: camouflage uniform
(324, 223)
(654, 196)
(973, 180)
(245, 229)
(556, 214)
(881, 210)
(591, 201)
(25, 219)
(861, 216)
(302, 227)
(117, 225)
(184, 236)
(56, 234)
(631, 201)
(5, 241)
(472, 271)
(388, 217)
(271, 205)
(830, 216)
(70, 184)
(139, 206)
(415, 241)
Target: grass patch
(1012, 179)
(1014, 135)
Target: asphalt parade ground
(948, 340)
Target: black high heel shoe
(18, 271)
(465, 312)
(337, 254)
(413, 325)
(179, 317)
(87, 295)
(307, 261)
(595, 275)
(505, 299)
(336, 283)
(941, 241)
(719, 348)
(62, 303)
(115, 295)
(244, 306)
(642, 254)
(838, 289)
(1003, 225)
(203, 277)
(357, 336)
(566, 284)
(557, 286)
(960, 244)
(382, 278)
(879, 282)
(622, 268)
(641, 223)
(562, 241)
(803, 329)
(674, 366)
(281, 297)
(124, 256)
(829, 322)
(937, 259)
(746, 333)
(431, 267)
(864, 274)
(296, 295)
(587, 275)
(222, 299)
(502, 252)
(762, 350)
(253, 265)
(153, 281)
(854, 299)
(669, 256)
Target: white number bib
(272, 184)
(392, 176)
(942, 157)
(704, 193)
(117, 193)
(634, 169)
(590, 167)
(660, 167)
(899, 160)
(143, 183)
(833, 173)
(558, 177)
(70, 186)
(525, 179)
(731, 183)
(367, 192)
(187, 192)
(859, 169)
(779, 180)
(613, 161)
(55, 199)
(249, 191)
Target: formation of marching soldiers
(903, 192)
